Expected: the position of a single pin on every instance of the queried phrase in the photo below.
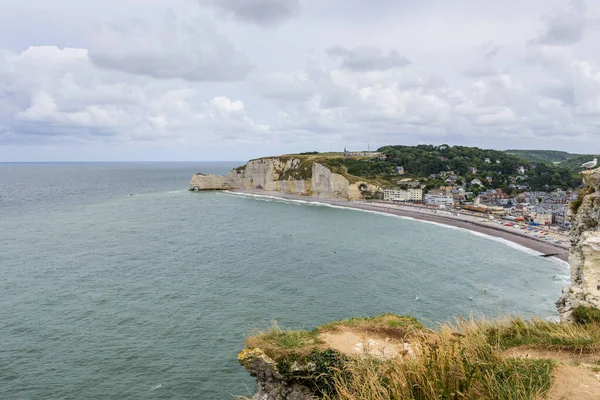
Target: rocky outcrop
(271, 383)
(298, 176)
(584, 254)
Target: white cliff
(286, 174)
(584, 254)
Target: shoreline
(443, 217)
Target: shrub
(586, 315)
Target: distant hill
(562, 158)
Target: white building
(416, 194)
(439, 200)
(413, 194)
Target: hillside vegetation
(433, 164)
(562, 158)
(424, 160)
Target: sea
(116, 282)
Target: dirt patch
(356, 342)
(574, 383)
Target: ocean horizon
(118, 282)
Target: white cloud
(586, 89)
(65, 97)
(186, 49)
(331, 73)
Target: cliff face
(271, 383)
(584, 255)
(287, 175)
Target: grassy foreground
(467, 359)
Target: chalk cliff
(584, 255)
(272, 385)
(287, 174)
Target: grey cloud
(191, 50)
(261, 12)
(368, 58)
(481, 70)
(564, 28)
(485, 68)
(557, 91)
(490, 50)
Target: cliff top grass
(467, 359)
(279, 343)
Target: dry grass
(456, 362)
(463, 360)
(542, 334)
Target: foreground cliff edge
(291, 174)
(395, 357)
(584, 253)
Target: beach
(473, 223)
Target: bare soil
(357, 342)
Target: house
(416, 194)
(489, 179)
(412, 194)
(476, 182)
(400, 170)
(439, 200)
(561, 218)
(472, 170)
(458, 198)
(443, 159)
(487, 161)
(498, 162)
(521, 170)
(543, 217)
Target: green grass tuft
(586, 315)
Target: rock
(271, 384)
(289, 175)
(584, 254)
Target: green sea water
(118, 283)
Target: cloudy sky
(236, 79)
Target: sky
(169, 80)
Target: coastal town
(534, 208)
(475, 194)
(541, 214)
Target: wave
(157, 193)
(505, 242)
